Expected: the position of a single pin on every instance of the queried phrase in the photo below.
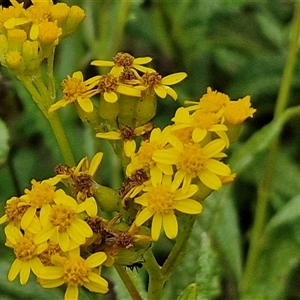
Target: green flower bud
(127, 106)
(31, 56)
(146, 107)
(108, 111)
(107, 198)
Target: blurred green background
(236, 47)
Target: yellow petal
(210, 179)
(24, 272)
(35, 265)
(217, 167)
(50, 284)
(198, 134)
(171, 92)
(13, 234)
(102, 63)
(14, 269)
(189, 206)
(71, 293)
(95, 163)
(86, 104)
(214, 147)
(160, 91)
(110, 97)
(64, 241)
(173, 78)
(143, 216)
(129, 148)
(156, 227)
(50, 273)
(129, 91)
(142, 60)
(58, 104)
(112, 135)
(78, 75)
(170, 225)
(96, 259)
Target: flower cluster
(58, 228)
(28, 36)
(127, 92)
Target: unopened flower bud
(76, 16)
(59, 13)
(146, 107)
(127, 106)
(108, 111)
(16, 38)
(14, 62)
(31, 56)
(107, 198)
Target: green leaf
(226, 230)
(279, 257)
(260, 141)
(4, 139)
(189, 293)
(199, 265)
(287, 214)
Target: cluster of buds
(28, 36)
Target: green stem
(178, 248)
(265, 186)
(157, 275)
(128, 282)
(61, 138)
(156, 279)
(41, 98)
(51, 79)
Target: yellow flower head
(74, 271)
(160, 84)
(143, 158)
(75, 89)
(49, 33)
(39, 198)
(26, 251)
(236, 112)
(213, 101)
(62, 224)
(124, 61)
(201, 121)
(192, 161)
(160, 202)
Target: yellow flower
(202, 122)
(62, 224)
(124, 61)
(26, 251)
(75, 272)
(192, 161)
(109, 85)
(160, 202)
(213, 101)
(236, 112)
(75, 89)
(14, 212)
(143, 158)
(160, 84)
(39, 198)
